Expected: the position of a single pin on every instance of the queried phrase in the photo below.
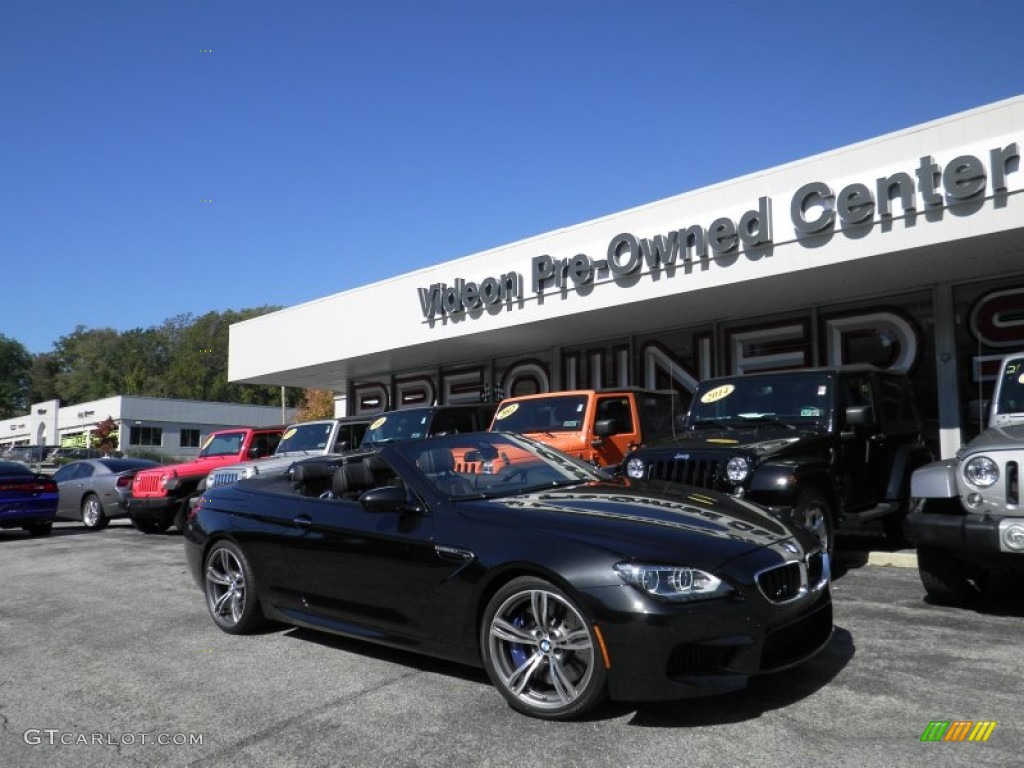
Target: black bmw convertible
(490, 549)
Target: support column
(946, 366)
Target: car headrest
(349, 478)
(436, 460)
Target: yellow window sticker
(378, 423)
(718, 393)
(507, 411)
(209, 440)
(289, 433)
(724, 440)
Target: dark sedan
(90, 489)
(27, 499)
(493, 550)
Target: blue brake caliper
(517, 651)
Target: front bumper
(969, 534)
(155, 508)
(704, 648)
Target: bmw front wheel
(540, 651)
(230, 589)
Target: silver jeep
(968, 520)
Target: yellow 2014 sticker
(378, 423)
(206, 444)
(507, 411)
(722, 440)
(718, 393)
(289, 433)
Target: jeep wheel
(895, 528)
(151, 526)
(949, 581)
(814, 513)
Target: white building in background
(173, 428)
(905, 251)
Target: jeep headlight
(737, 469)
(250, 472)
(635, 468)
(674, 583)
(981, 472)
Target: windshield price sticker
(290, 433)
(507, 411)
(377, 424)
(718, 393)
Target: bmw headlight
(635, 468)
(672, 582)
(737, 469)
(981, 472)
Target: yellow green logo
(958, 730)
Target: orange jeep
(598, 426)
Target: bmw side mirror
(386, 499)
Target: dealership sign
(815, 210)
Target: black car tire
(230, 589)
(949, 581)
(39, 529)
(895, 528)
(181, 516)
(540, 651)
(151, 526)
(93, 517)
(814, 513)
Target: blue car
(27, 500)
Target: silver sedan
(89, 489)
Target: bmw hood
(654, 524)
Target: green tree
(15, 377)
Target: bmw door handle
(305, 522)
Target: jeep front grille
(226, 477)
(701, 472)
(146, 484)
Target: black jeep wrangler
(826, 447)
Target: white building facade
(174, 429)
(905, 251)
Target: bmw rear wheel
(230, 589)
(93, 517)
(540, 651)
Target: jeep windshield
(223, 444)
(557, 413)
(792, 399)
(303, 438)
(1009, 405)
(410, 424)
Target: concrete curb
(893, 559)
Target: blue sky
(161, 158)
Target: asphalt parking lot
(108, 657)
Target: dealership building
(905, 252)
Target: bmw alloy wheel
(230, 596)
(540, 651)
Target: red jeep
(159, 496)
